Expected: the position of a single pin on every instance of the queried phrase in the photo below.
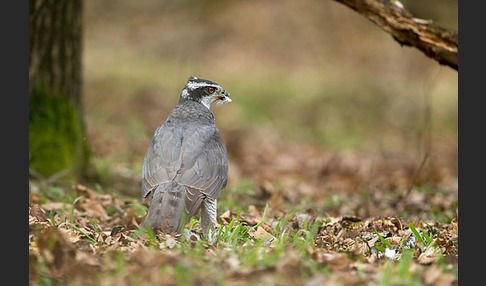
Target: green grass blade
(427, 238)
(263, 218)
(379, 248)
(230, 226)
(92, 239)
(96, 227)
(72, 207)
(384, 241)
(417, 235)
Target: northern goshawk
(186, 165)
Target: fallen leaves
(37, 213)
(97, 235)
(92, 203)
(262, 234)
(56, 252)
(430, 255)
(346, 183)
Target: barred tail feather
(166, 208)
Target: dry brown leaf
(33, 198)
(249, 219)
(361, 248)
(226, 215)
(37, 219)
(93, 261)
(430, 255)
(289, 268)
(56, 206)
(434, 275)
(83, 191)
(70, 234)
(335, 261)
(58, 252)
(37, 212)
(276, 201)
(394, 240)
(455, 228)
(252, 209)
(261, 233)
(93, 209)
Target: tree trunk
(55, 33)
(55, 82)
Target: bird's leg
(208, 217)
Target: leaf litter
(104, 245)
(310, 217)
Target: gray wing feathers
(162, 159)
(209, 172)
(208, 175)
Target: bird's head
(205, 92)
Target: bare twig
(403, 200)
(45, 182)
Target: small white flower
(391, 253)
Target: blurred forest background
(326, 105)
(328, 110)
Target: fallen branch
(437, 42)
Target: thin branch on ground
(401, 204)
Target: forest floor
(311, 219)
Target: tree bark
(56, 124)
(55, 34)
(435, 41)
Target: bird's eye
(211, 89)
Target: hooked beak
(222, 97)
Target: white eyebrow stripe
(195, 85)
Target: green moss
(56, 135)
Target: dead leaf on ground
(430, 255)
(56, 206)
(37, 212)
(56, 250)
(92, 208)
(261, 233)
(333, 260)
